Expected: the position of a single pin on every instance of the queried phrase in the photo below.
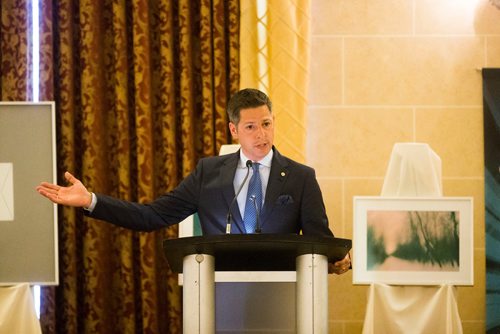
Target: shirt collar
(266, 161)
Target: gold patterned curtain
(15, 51)
(140, 89)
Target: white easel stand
(414, 170)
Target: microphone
(229, 216)
(257, 211)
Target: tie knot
(255, 166)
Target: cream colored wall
(390, 71)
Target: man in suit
(287, 198)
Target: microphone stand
(229, 216)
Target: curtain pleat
(140, 89)
(275, 43)
(15, 51)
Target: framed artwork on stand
(413, 240)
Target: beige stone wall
(389, 71)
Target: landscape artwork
(413, 241)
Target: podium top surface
(254, 252)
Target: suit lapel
(277, 179)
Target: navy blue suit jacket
(293, 201)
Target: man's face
(255, 132)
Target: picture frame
(413, 240)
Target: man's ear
(232, 129)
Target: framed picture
(413, 241)
(28, 222)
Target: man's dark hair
(244, 99)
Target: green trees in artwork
(376, 253)
(433, 238)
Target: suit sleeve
(167, 210)
(314, 220)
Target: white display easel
(414, 170)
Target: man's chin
(258, 152)
(262, 151)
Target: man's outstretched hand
(76, 194)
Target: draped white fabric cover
(414, 170)
(17, 310)
(412, 310)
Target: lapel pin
(283, 174)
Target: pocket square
(284, 200)
(6, 192)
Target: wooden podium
(199, 257)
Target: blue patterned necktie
(254, 199)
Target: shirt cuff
(92, 203)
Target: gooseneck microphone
(229, 216)
(257, 211)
